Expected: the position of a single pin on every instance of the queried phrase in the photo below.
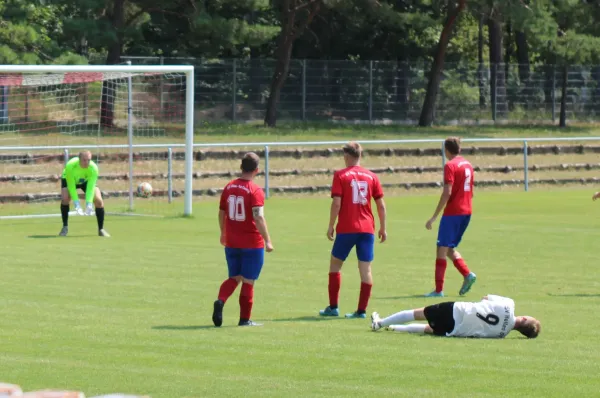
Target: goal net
(137, 121)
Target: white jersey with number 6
(491, 318)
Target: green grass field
(132, 313)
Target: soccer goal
(137, 121)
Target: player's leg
(341, 248)
(395, 322)
(469, 277)
(99, 206)
(446, 234)
(252, 263)
(365, 247)
(65, 199)
(234, 269)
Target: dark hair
(250, 162)
(530, 329)
(452, 145)
(353, 149)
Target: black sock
(64, 212)
(100, 217)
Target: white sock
(412, 328)
(398, 318)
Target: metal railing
(324, 90)
(266, 146)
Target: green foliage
(28, 32)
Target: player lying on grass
(352, 190)
(81, 173)
(456, 202)
(245, 237)
(492, 317)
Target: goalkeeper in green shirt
(81, 173)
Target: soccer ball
(144, 190)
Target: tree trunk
(497, 77)
(282, 67)
(435, 74)
(524, 66)
(109, 92)
(289, 33)
(481, 69)
(563, 97)
(508, 49)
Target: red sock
(246, 301)
(363, 299)
(461, 266)
(440, 271)
(335, 281)
(227, 289)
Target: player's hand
(88, 209)
(596, 196)
(330, 233)
(78, 209)
(268, 246)
(382, 235)
(222, 240)
(429, 223)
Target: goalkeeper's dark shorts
(81, 185)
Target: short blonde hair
(353, 149)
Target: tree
(111, 26)
(295, 16)
(28, 31)
(435, 74)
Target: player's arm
(336, 204)
(221, 217)
(442, 202)
(71, 186)
(334, 211)
(222, 221)
(258, 213)
(92, 180)
(381, 210)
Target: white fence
(524, 144)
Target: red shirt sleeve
(377, 189)
(223, 202)
(336, 186)
(258, 198)
(448, 174)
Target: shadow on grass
(315, 318)
(183, 327)
(401, 297)
(574, 295)
(56, 236)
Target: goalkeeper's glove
(88, 209)
(78, 209)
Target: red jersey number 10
(360, 192)
(237, 210)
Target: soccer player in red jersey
(456, 201)
(352, 191)
(245, 236)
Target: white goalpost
(137, 121)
